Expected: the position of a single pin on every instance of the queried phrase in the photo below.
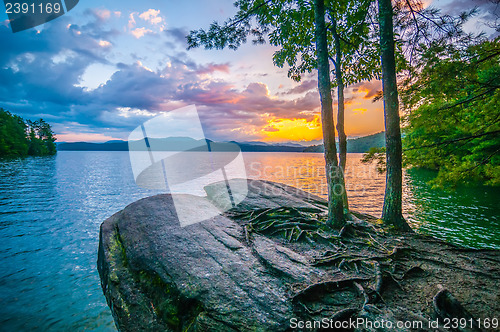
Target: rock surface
(216, 276)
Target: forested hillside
(356, 145)
(20, 138)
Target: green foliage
(452, 108)
(13, 142)
(365, 143)
(20, 138)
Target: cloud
(213, 67)
(488, 7)
(304, 86)
(487, 17)
(270, 129)
(134, 86)
(102, 14)
(178, 35)
(40, 70)
(140, 32)
(369, 88)
(152, 16)
(41, 75)
(228, 112)
(358, 111)
(83, 137)
(131, 21)
(104, 43)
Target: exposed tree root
(447, 306)
(378, 268)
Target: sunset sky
(106, 67)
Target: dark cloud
(41, 71)
(488, 7)
(270, 129)
(488, 12)
(133, 86)
(304, 86)
(178, 35)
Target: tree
(334, 173)
(453, 112)
(351, 48)
(41, 138)
(12, 135)
(277, 18)
(392, 212)
(35, 147)
(355, 53)
(340, 95)
(47, 136)
(352, 54)
(417, 29)
(19, 138)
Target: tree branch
(454, 140)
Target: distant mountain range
(355, 145)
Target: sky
(104, 68)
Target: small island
(21, 138)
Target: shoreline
(284, 273)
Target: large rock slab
(214, 276)
(159, 276)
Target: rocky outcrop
(222, 275)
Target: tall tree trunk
(340, 92)
(340, 106)
(334, 176)
(392, 211)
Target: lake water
(51, 209)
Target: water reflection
(467, 216)
(50, 212)
(51, 209)
(365, 186)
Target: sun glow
(280, 130)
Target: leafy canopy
(453, 113)
(20, 138)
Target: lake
(51, 209)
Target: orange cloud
(369, 88)
(358, 111)
(104, 43)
